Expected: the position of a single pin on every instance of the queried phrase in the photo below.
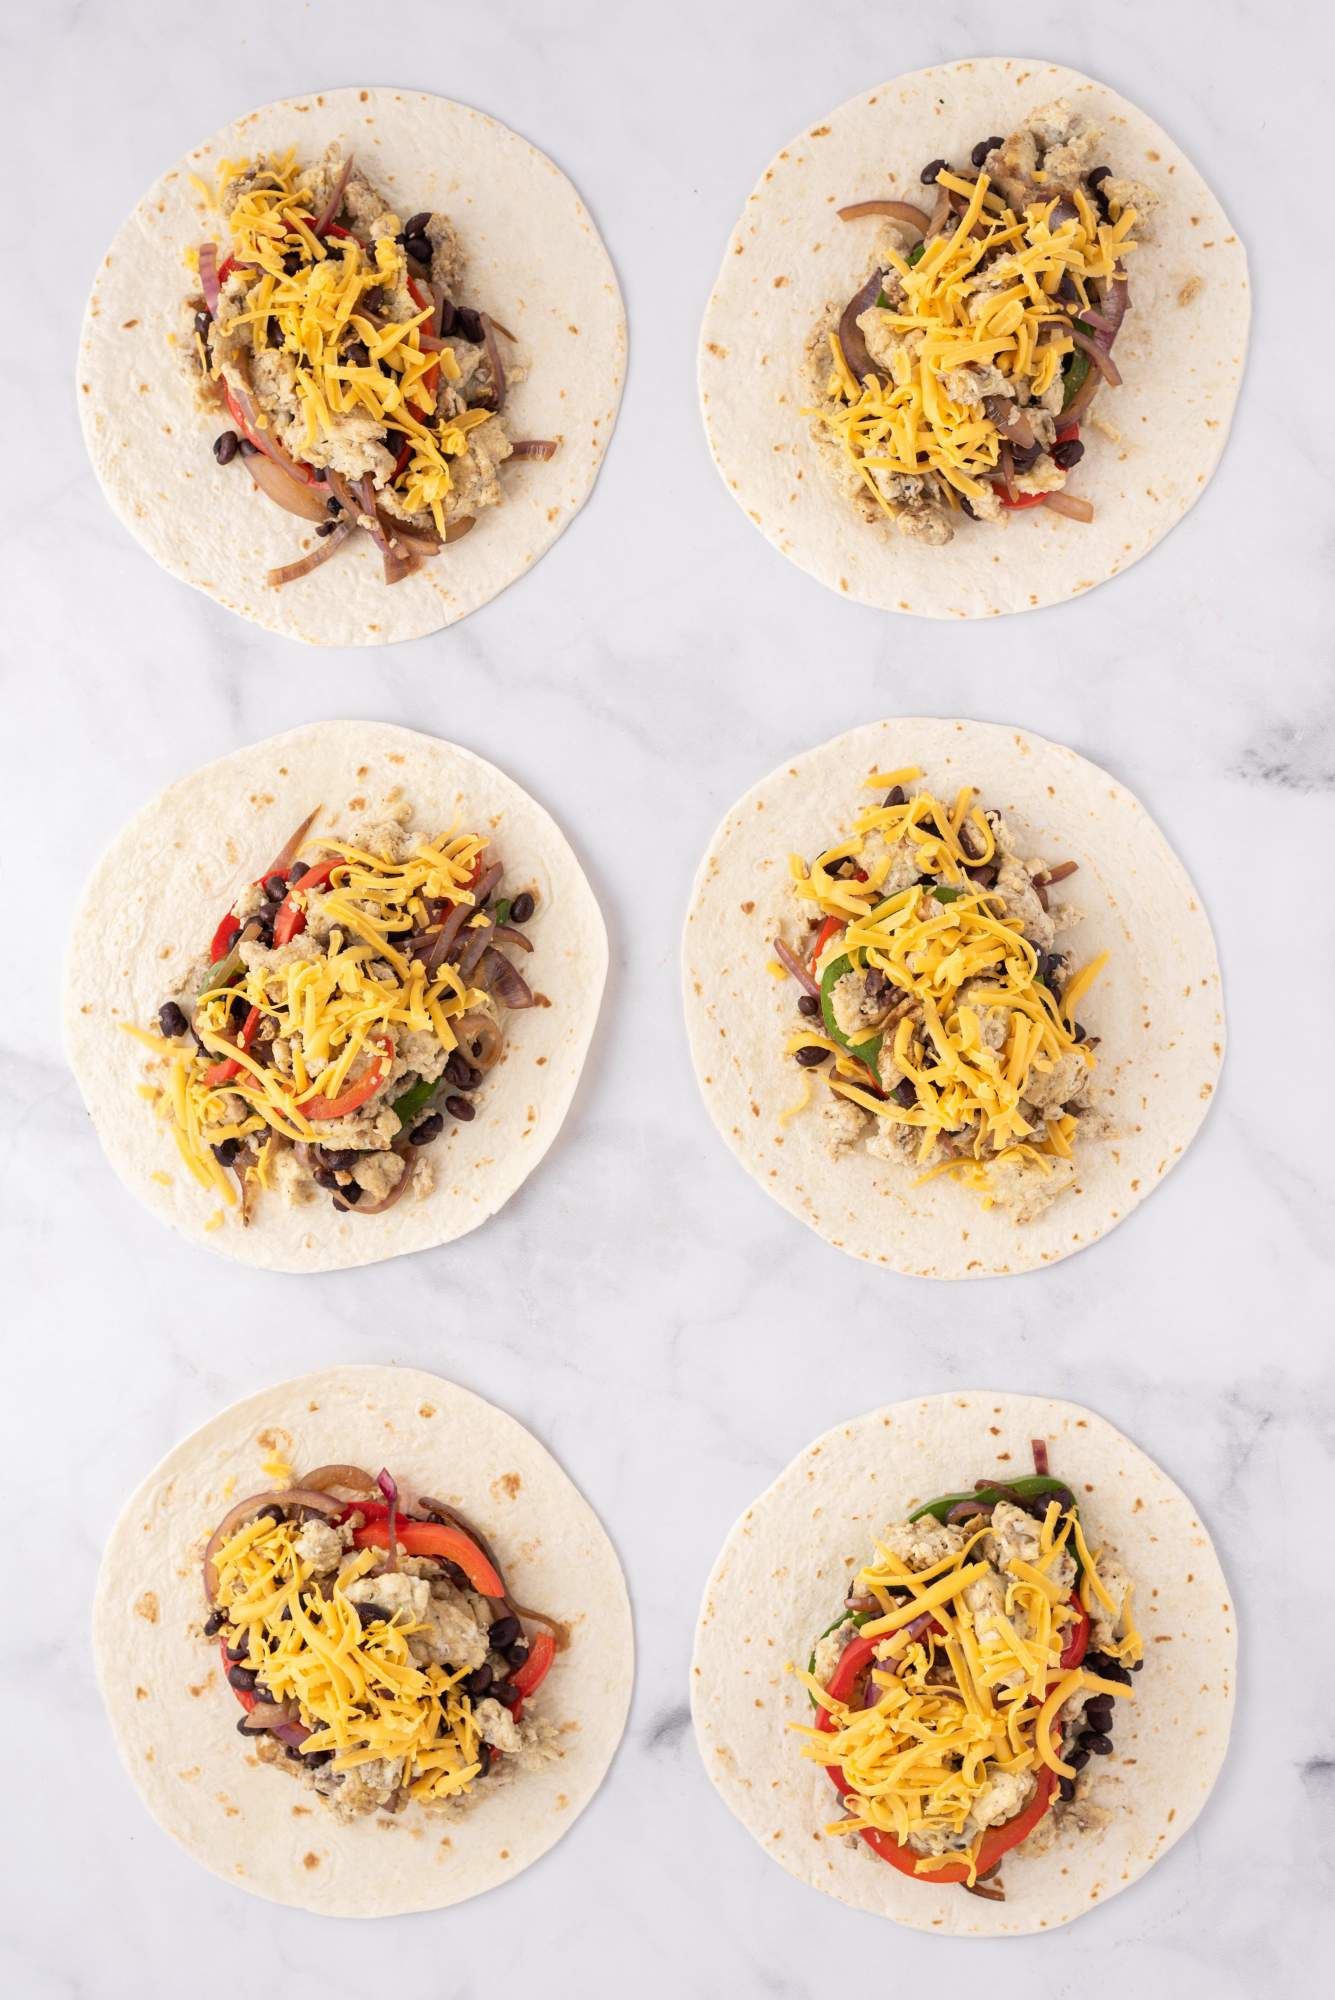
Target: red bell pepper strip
(224, 938)
(431, 375)
(436, 1538)
(1067, 432)
(357, 1093)
(291, 918)
(1077, 1644)
(224, 1071)
(856, 1658)
(530, 1676)
(829, 929)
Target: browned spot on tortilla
(141, 1694)
(1188, 291)
(310, 1860)
(747, 908)
(146, 1607)
(720, 353)
(779, 283)
(126, 324)
(509, 1484)
(426, 1409)
(302, 1812)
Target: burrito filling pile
(373, 1646)
(955, 379)
(347, 1010)
(970, 1679)
(935, 1001)
(362, 394)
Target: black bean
(227, 1152)
(516, 1655)
(171, 1020)
(430, 1128)
(332, 506)
(325, 528)
(522, 907)
(809, 1058)
(242, 1679)
(875, 985)
(419, 249)
(1136, 1666)
(324, 1177)
(416, 225)
(315, 1758)
(237, 1652)
(1069, 452)
(455, 1575)
(808, 1004)
(342, 1157)
(248, 450)
(964, 503)
(268, 911)
(243, 1727)
(1078, 1758)
(506, 1695)
(904, 1093)
(351, 1193)
(367, 1614)
(468, 324)
(319, 474)
(930, 172)
(1077, 1033)
(225, 447)
(986, 146)
(292, 263)
(203, 321)
(1101, 1705)
(460, 1071)
(1097, 175)
(894, 797)
(1066, 1786)
(504, 1633)
(478, 1682)
(1100, 1745)
(460, 1108)
(273, 1512)
(213, 1624)
(357, 353)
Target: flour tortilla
(156, 895)
(1181, 350)
(533, 259)
(1157, 1006)
(782, 1576)
(175, 1720)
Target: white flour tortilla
(152, 904)
(533, 259)
(781, 1579)
(174, 1718)
(1181, 350)
(1157, 1005)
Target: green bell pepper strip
(409, 1108)
(1074, 376)
(865, 1051)
(1029, 1488)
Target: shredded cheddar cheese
(910, 420)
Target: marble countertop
(668, 1332)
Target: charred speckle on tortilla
(971, 1679)
(952, 384)
(349, 1007)
(936, 1001)
(363, 392)
(372, 1644)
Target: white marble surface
(669, 1332)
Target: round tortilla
(1157, 1006)
(533, 259)
(150, 908)
(174, 1718)
(820, 1519)
(1180, 352)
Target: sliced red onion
(295, 496)
(475, 943)
(1099, 355)
(898, 211)
(329, 213)
(294, 1734)
(456, 530)
(507, 934)
(793, 965)
(1090, 318)
(1070, 505)
(967, 1510)
(267, 443)
(208, 275)
(245, 1510)
(396, 1193)
(1039, 1446)
(501, 979)
(391, 1492)
(1006, 465)
(481, 1038)
(292, 572)
(350, 1477)
(1011, 421)
(534, 448)
(854, 347)
(433, 946)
